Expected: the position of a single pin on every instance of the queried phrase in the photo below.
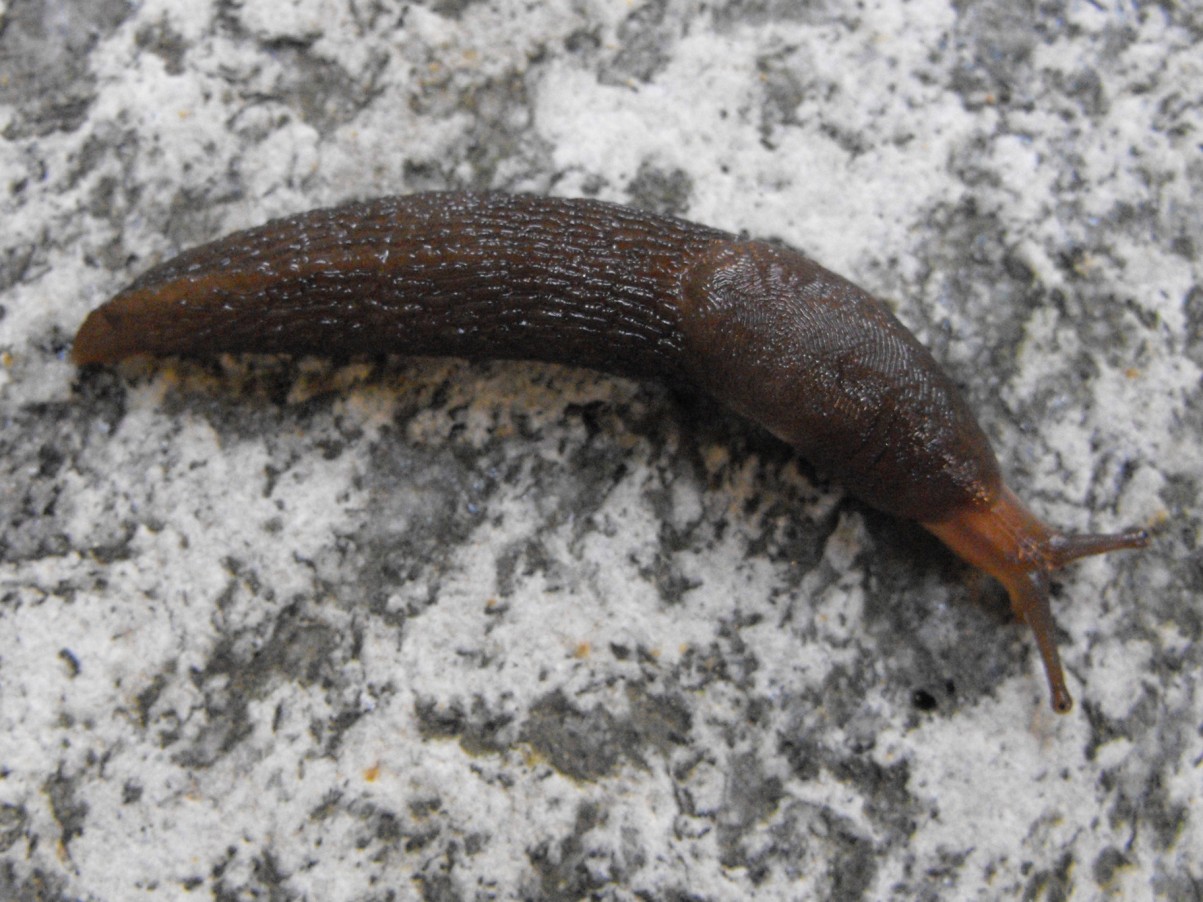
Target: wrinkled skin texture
(765, 330)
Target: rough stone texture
(400, 629)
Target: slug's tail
(98, 342)
(158, 319)
(1019, 550)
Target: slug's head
(1010, 543)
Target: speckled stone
(393, 629)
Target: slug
(763, 329)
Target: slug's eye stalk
(1010, 543)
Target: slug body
(765, 330)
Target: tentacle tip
(1064, 549)
(1061, 701)
(1135, 538)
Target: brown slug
(765, 330)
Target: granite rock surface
(398, 628)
